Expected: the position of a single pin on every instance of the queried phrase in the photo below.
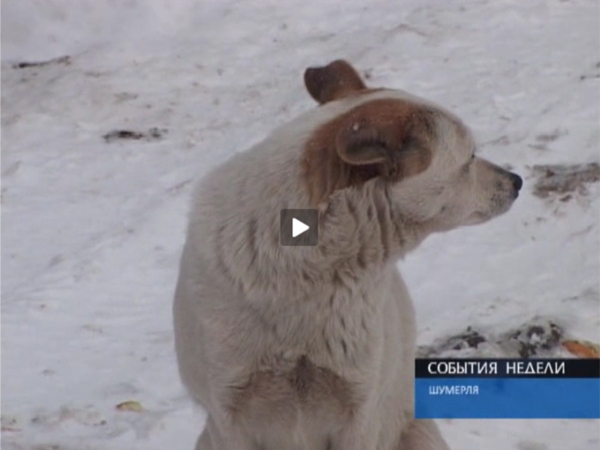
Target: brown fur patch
(383, 137)
(269, 393)
(333, 81)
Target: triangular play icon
(298, 227)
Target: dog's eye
(472, 156)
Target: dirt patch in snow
(65, 60)
(564, 179)
(535, 338)
(153, 134)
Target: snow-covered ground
(92, 230)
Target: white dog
(312, 348)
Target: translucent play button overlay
(298, 227)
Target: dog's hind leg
(214, 438)
(204, 442)
(423, 435)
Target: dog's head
(421, 154)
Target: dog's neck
(376, 233)
(360, 236)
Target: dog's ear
(398, 148)
(333, 81)
(386, 138)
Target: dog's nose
(517, 181)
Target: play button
(298, 227)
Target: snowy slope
(92, 230)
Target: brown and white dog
(312, 348)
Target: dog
(313, 347)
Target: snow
(92, 230)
